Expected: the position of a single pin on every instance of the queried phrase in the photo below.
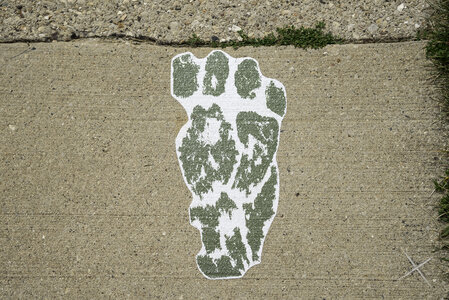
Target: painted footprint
(227, 153)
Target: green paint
(237, 249)
(275, 99)
(265, 130)
(184, 76)
(260, 212)
(247, 78)
(222, 268)
(195, 152)
(211, 239)
(225, 204)
(208, 215)
(216, 67)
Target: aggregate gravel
(174, 21)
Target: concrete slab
(93, 202)
(172, 21)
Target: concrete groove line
(350, 222)
(120, 38)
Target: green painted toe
(247, 78)
(217, 71)
(185, 73)
(275, 99)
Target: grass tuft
(443, 187)
(437, 50)
(289, 35)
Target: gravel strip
(175, 21)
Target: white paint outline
(231, 104)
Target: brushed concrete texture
(93, 204)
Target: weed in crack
(289, 35)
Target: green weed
(437, 50)
(289, 35)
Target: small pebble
(335, 25)
(235, 28)
(174, 26)
(373, 28)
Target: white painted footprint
(227, 153)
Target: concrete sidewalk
(93, 204)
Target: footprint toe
(247, 78)
(184, 74)
(217, 71)
(275, 99)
